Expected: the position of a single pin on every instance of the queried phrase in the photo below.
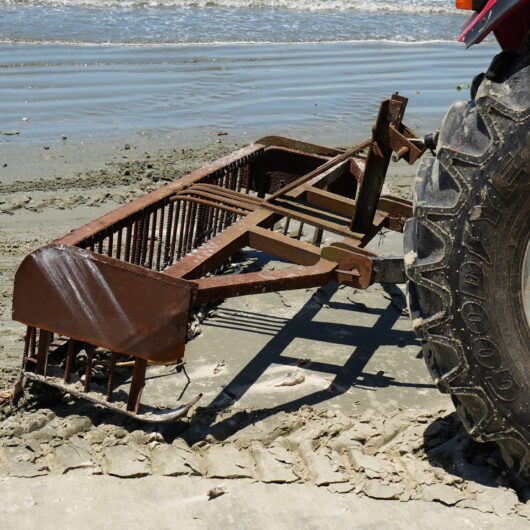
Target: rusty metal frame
(126, 283)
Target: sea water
(316, 68)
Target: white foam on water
(107, 44)
(403, 6)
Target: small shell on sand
(292, 379)
(215, 492)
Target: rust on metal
(104, 302)
(117, 293)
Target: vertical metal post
(118, 243)
(42, 351)
(70, 352)
(88, 372)
(152, 239)
(110, 380)
(390, 113)
(27, 341)
(137, 385)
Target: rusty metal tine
(185, 207)
(187, 224)
(247, 179)
(128, 240)
(202, 227)
(232, 186)
(300, 230)
(239, 179)
(198, 225)
(234, 178)
(134, 240)
(187, 221)
(194, 223)
(110, 249)
(215, 222)
(88, 371)
(169, 226)
(152, 239)
(33, 342)
(205, 215)
(190, 227)
(138, 240)
(230, 180)
(110, 379)
(145, 238)
(69, 360)
(118, 242)
(137, 385)
(160, 237)
(128, 236)
(222, 220)
(27, 341)
(286, 226)
(317, 237)
(42, 352)
(209, 222)
(100, 245)
(174, 231)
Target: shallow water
(325, 91)
(315, 68)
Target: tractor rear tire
(465, 250)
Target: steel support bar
(283, 247)
(219, 287)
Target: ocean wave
(398, 42)
(370, 6)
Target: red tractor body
(509, 20)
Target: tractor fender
(496, 16)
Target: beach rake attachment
(109, 299)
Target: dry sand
(385, 452)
